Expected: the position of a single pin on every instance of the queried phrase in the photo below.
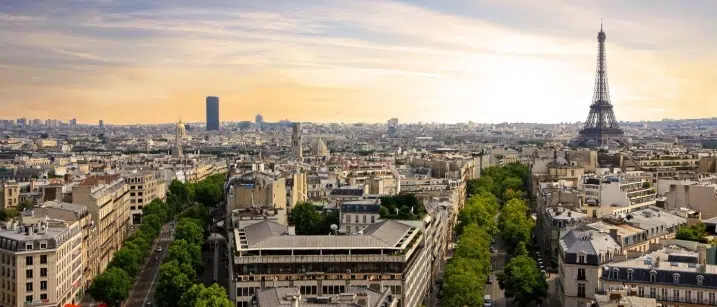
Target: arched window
(676, 278)
(629, 274)
(653, 276)
(615, 273)
(700, 279)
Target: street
(498, 260)
(143, 290)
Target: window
(641, 291)
(356, 218)
(653, 276)
(373, 219)
(28, 286)
(629, 274)
(688, 295)
(364, 219)
(28, 273)
(581, 290)
(581, 259)
(43, 245)
(712, 298)
(43, 296)
(43, 285)
(615, 273)
(676, 278)
(28, 260)
(132, 208)
(348, 218)
(43, 259)
(663, 293)
(581, 274)
(43, 272)
(700, 279)
(675, 294)
(28, 299)
(28, 246)
(699, 297)
(653, 292)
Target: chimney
(702, 254)
(570, 213)
(613, 234)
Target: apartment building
(388, 254)
(351, 297)
(583, 252)
(10, 194)
(357, 214)
(107, 200)
(41, 264)
(70, 214)
(618, 194)
(382, 180)
(257, 188)
(635, 231)
(674, 273)
(144, 187)
(698, 196)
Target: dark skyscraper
(212, 113)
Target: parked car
(487, 301)
(159, 249)
(492, 249)
(490, 279)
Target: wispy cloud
(445, 61)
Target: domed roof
(320, 149)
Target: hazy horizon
(354, 61)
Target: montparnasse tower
(180, 132)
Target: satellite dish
(334, 227)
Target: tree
(183, 252)
(111, 286)
(25, 205)
(208, 194)
(8, 213)
(200, 296)
(513, 183)
(475, 245)
(189, 230)
(153, 221)
(480, 209)
(158, 208)
(514, 224)
(695, 233)
(128, 259)
(464, 283)
(522, 280)
(174, 279)
(307, 220)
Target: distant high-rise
(392, 127)
(178, 137)
(21, 121)
(73, 122)
(259, 119)
(212, 113)
(296, 141)
(102, 124)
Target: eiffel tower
(601, 126)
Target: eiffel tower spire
(601, 125)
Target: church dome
(320, 149)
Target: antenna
(600, 23)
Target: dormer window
(615, 273)
(676, 278)
(581, 259)
(629, 274)
(653, 276)
(700, 279)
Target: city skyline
(354, 62)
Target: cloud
(318, 60)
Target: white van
(487, 302)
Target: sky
(137, 61)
